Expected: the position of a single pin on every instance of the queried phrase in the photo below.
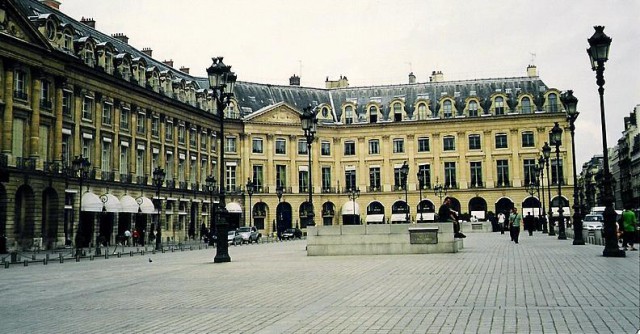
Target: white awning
(351, 208)
(91, 202)
(147, 206)
(128, 204)
(478, 214)
(375, 219)
(400, 217)
(112, 204)
(426, 216)
(566, 211)
(234, 207)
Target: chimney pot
(147, 51)
(51, 3)
(184, 70)
(168, 62)
(121, 37)
(294, 80)
(90, 22)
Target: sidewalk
(491, 286)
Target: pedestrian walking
(127, 236)
(514, 222)
(629, 224)
(501, 221)
(529, 223)
(136, 237)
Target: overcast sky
(379, 42)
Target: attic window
(473, 92)
(498, 90)
(508, 90)
(456, 94)
(443, 94)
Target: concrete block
(329, 230)
(399, 228)
(378, 229)
(353, 229)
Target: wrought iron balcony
(125, 178)
(26, 163)
(376, 189)
(398, 187)
(182, 185)
(107, 176)
(141, 179)
(478, 184)
(503, 184)
(20, 95)
(170, 184)
(328, 190)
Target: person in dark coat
(529, 223)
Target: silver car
(234, 238)
(592, 222)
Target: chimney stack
(89, 22)
(51, 3)
(532, 71)
(148, 52)
(168, 62)
(294, 80)
(436, 76)
(121, 37)
(184, 70)
(412, 78)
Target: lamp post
(221, 82)
(570, 102)
(279, 192)
(556, 137)
(546, 153)
(542, 214)
(80, 167)
(158, 180)
(404, 173)
(211, 185)
(420, 185)
(598, 51)
(250, 188)
(440, 190)
(353, 194)
(310, 127)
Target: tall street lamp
(158, 180)
(556, 137)
(404, 172)
(250, 188)
(353, 195)
(279, 191)
(543, 213)
(221, 82)
(440, 190)
(546, 153)
(310, 127)
(570, 102)
(211, 185)
(80, 167)
(598, 51)
(420, 185)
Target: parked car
(291, 233)
(249, 234)
(234, 238)
(592, 222)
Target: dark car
(291, 233)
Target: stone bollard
(61, 257)
(45, 261)
(91, 257)
(106, 255)
(6, 265)
(33, 257)
(26, 263)
(118, 254)
(14, 257)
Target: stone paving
(542, 285)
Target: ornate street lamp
(158, 180)
(420, 185)
(404, 173)
(279, 191)
(440, 190)
(211, 185)
(556, 138)
(598, 51)
(353, 195)
(546, 153)
(250, 188)
(221, 82)
(310, 127)
(542, 214)
(538, 170)
(570, 102)
(80, 167)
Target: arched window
(373, 114)
(526, 105)
(325, 112)
(499, 105)
(397, 112)
(473, 109)
(348, 115)
(552, 102)
(446, 106)
(422, 111)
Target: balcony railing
(503, 184)
(398, 187)
(328, 190)
(372, 189)
(20, 95)
(170, 184)
(46, 104)
(26, 163)
(4, 160)
(141, 179)
(108, 176)
(182, 185)
(479, 184)
(125, 178)
(563, 182)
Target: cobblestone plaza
(542, 285)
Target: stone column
(97, 141)
(7, 120)
(57, 130)
(77, 117)
(34, 133)
(115, 168)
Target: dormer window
(447, 108)
(397, 112)
(552, 101)
(499, 105)
(526, 105)
(473, 109)
(51, 30)
(108, 61)
(67, 43)
(88, 55)
(348, 114)
(422, 111)
(373, 114)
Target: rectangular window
(527, 139)
(350, 179)
(325, 148)
(181, 170)
(125, 115)
(281, 175)
(181, 134)
(258, 177)
(87, 108)
(449, 143)
(374, 146)
(501, 140)
(474, 142)
(425, 171)
(281, 146)
(529, 171)
(374, 178)
(45, 94)
(476, 174)
(168, 132)
(107, 110)
(19, 85)
(326, 179)
(106, 156)
(349, 148)
(203, 141)
(17, 148)
(230, 178)
(398, 179)
(450, 175)
(44, 143)
(141, 123)
(423, 144)
(67, 100)
(557, 175)
(398, 146)
(124, 159)
(230, 145)
(503, 173)
(66, 150)
(303, 181)
(87, 148)
(140, 162)
(193, 139)
(203, 171)
(257, 146)
(169, 165)
(473, 109)
(302, 147)
(193, 169)
(155, 126)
